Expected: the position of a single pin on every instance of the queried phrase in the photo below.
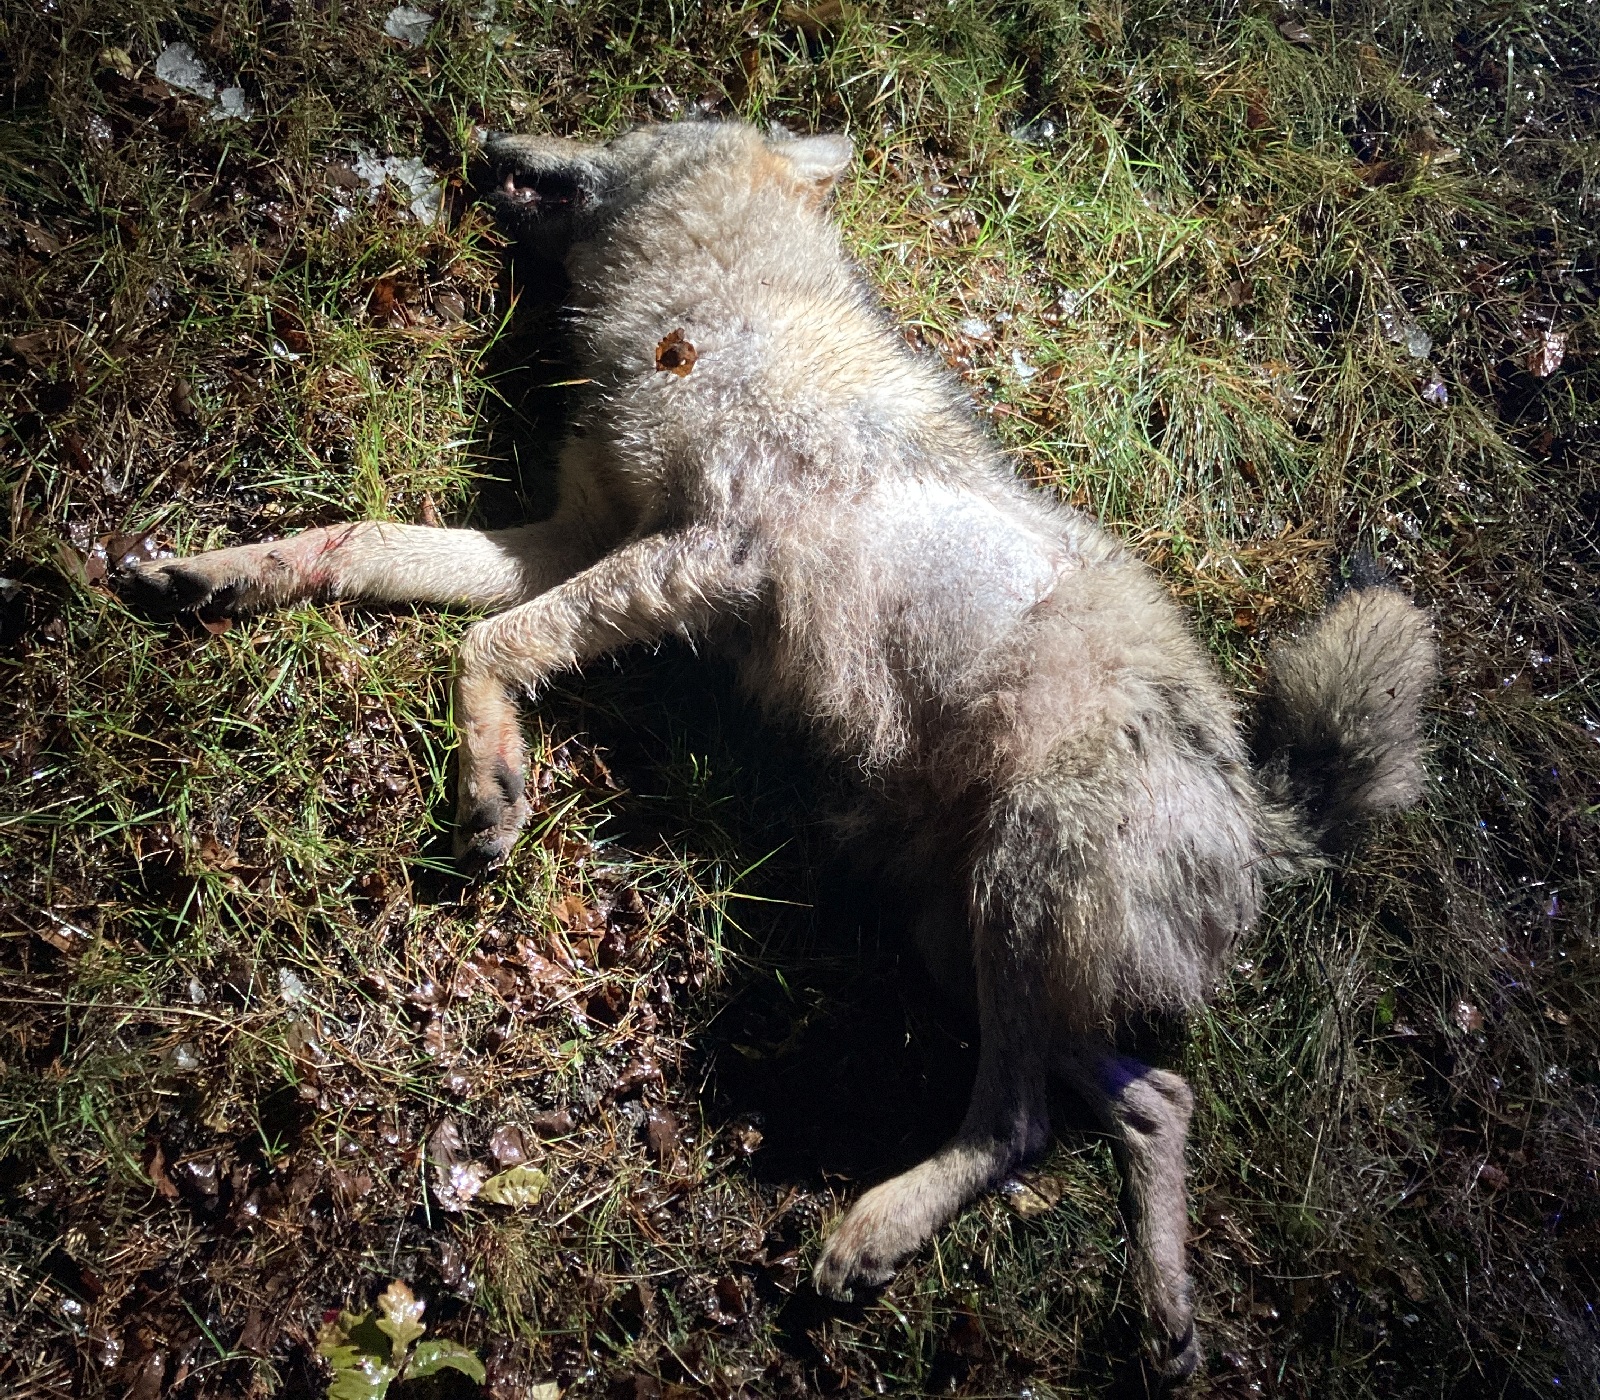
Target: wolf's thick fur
(1082, 834)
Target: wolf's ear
(816, 160)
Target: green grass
(239, 994)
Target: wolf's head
(552, 193)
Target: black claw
(473, 855)
(1183, 1357)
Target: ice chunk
(423, 184)
(177, 66)
(408, 25)
(1021, 368)
(231, 103)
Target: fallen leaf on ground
(815, 19)
(661, 1131)
(636, 1074)
(1546, 356)
(41, 240)
(555, 1123)
(456, 1180)
(517, 1187)
(156, 1169)
(507, 1146)
(1031, 1196)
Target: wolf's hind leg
(1007, 1119)
(1147, 1113)
(1006, 1123)
(369, 559)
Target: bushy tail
(1336, 738)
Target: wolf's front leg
(367, 559)
(378, 560)
(644, 591)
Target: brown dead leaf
(636, 1074)
(965, 1337)
(433, 1037)
(73, 449)
(730, 1297)
(813, 20)
(155, 1167)
(215, 856)
(1032, 1195)
(65, 938)
(148, 1376)
(575, 914)
(747, 1138)
(36, 348)
(290, 331)
(125, 551)
(554, 1123)
(606, 1005)
(663, 1134)
(381, 304)
(1468, 1017)
(507, 1146)
(456, 1180)
(675, 354)
(1547, 354)
(1412, 1281)
(41, 240)
(1380, 172)
(546, 977)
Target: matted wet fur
(760, 463)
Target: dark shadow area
(825, 1031)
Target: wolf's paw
(171, 586)
(1177, 1358)
(490, 817)
(870, 1244)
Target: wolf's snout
(540, 190)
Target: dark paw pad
(487, 829)
(1182, 1357)
(163, 590)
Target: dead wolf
(1068, 807)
